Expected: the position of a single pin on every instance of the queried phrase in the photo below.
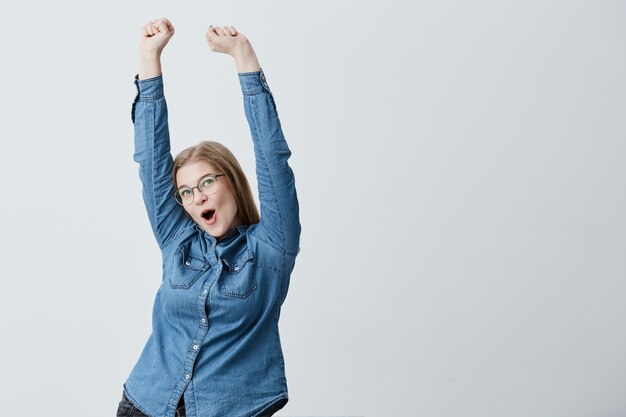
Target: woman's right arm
(152, 142)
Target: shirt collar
(234, 232)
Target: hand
(155, 35)
(226, 40)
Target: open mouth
(208, 215)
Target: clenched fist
(155, 35)
(225, 39)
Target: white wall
(461, 175)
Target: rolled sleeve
(148, 89)
(253, 82)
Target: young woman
(214, 348)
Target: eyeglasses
(184, 196)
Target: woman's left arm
(280, 220)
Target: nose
(199, 197)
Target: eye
(207, 181)
(184, 192)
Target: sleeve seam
(270, 176)
(160, 239)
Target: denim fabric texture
(215, 339)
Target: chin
(215, 231)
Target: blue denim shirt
(215, 319)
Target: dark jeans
(128, 409)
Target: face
(216, 214)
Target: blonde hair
(221, 158)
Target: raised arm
(152, 141)
(280, 220)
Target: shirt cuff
(253, 82)
(150, 87)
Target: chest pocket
(185, 269)
(238, 279)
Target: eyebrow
(199, 178)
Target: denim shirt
(215, 318)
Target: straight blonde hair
(221, 158)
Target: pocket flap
(235, 265)
(190, 262)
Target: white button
(187, 263)
(195, 347)
(203, 320)
(236, 268)
(204, 292)
(187, 376)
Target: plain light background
(461, 174)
